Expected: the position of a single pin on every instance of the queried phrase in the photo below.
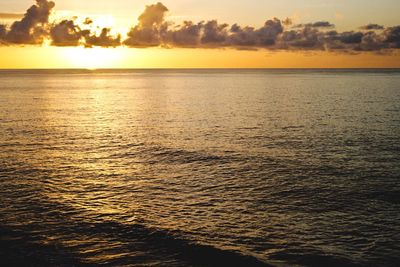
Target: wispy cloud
(10, 16)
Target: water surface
(200, 167)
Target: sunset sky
(234, 34)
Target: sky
(216, 34)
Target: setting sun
(94, 58)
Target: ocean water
(200, 168)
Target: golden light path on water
(146, 166)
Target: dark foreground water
(200, 168)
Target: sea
(200, 167)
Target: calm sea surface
(200, 168)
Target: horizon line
(212, 68)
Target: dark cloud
(67, 33)
(103, 40)
(371, 42)
(392, 36)
(371, 27)
(32, 27)
(3, 31)
(186, 35)
(143, 37)
(214, 34)
(150, 29)
(153, 30)
(307, 38)
(265, 36)
(321, 24)
(243, 37)
(268, 34)
(351, 37)
(318, 24)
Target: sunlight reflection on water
(136, 167)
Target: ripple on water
(182, 169)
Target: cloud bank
(153, 30)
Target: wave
(162, 241)
(153, 247)
(19, 248)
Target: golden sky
(147, 34)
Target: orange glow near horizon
(92, 58)
(107, 24)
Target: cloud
(242, 37)
(392, 36)
(153, 30)
(214, 34)
(307, 38)
(10, 16)
(186, 35)
(371, 42)
(150, 28)
(247, 36)
(370, 27)
(103, 40)
(318, 24)
(267, 35)
(88, 21)
(3, 31)
(67, 33)
(350, 37)
(153, 15)
(31, 29)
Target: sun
(93, 58)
